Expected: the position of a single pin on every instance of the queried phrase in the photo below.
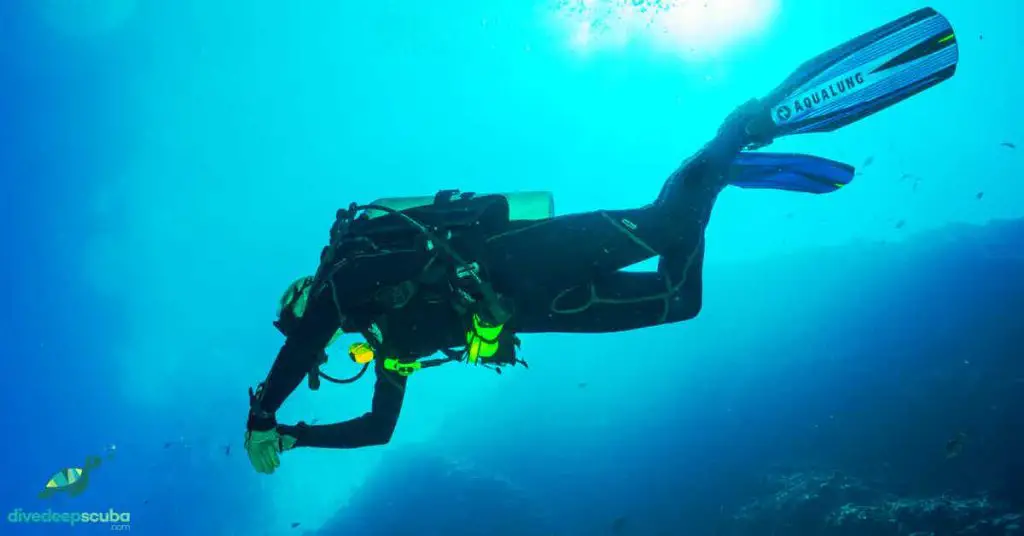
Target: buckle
(400, 368)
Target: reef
(836, 504)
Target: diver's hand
(265, 447)
(263, 442)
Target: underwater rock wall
(419, 492)
(911, 381)
(921, 341)
(823, 503)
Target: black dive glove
(263, 443)
(259, 420)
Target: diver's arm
(296, 358)
(373, 428)
(356, 281)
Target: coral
(826, 504)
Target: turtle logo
(71, 480)
(783, 113)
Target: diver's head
(292, 304)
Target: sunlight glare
(686, 26)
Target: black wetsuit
(562, 274)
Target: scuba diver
(464, 275)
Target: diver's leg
(619, 301)
(569, 250)
(709, 169)
(564, 272)
(571, 263)
(576, 249)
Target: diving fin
(792, 172)
(863, 76)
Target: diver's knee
(682, 308)
(381, 434)
(379, 440)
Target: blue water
(168, 167)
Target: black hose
(346, 380)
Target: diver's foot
(749, 125)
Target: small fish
(979, 195)
(582, 385)
(900, 224)
(955, 445)
(227, 450)
(981, 37)
(168, 444)
(868, 161)
(1008, 144)
(914, 178)
(295, 525)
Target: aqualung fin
(864, 75)
(792, 172)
